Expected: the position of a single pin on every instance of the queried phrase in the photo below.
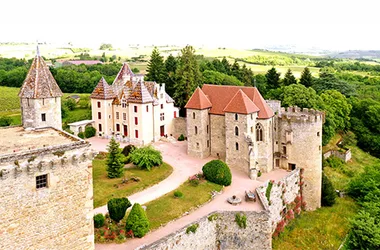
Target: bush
(328, 192)
(181, 137)
(178, 194)
(137, 221)
(99, 220)
(218, 172)
(117, 208)
(5, 121)
(81, 135)
(89, 131)
(241, 220)
(364, 232)
(335, 162)
(70, 104)
(145, 157)
(127, 150)
(192, 229)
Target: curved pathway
(185, 166)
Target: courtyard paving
(183, 167)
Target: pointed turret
(198, 100)
(102, 91)
(125, 74)
(140, 94)
(241, 104)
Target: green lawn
(9, 99)
(168, 208)
(105, 188)
(324, 228)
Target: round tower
(40, 97)
(299, 145)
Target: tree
(299, 95)
(156, 67)
(170, 68)
(5, 121)
(226, 65)
(105, 46)
(306, 77)
(137, 221)
(188, 76)
(145, 157)
(117, 208)
(289, 78)
(328, 192)
(273, 78)
(115, 160)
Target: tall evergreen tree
(156, 67)
(289, 78)
(188, 76)
(115, 164)
(227, 66)
(273, 78)
(235, 70)
(170, 67)
(306, 77)
(328, 192)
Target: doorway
(125, 129)
(291, 166)
(162, 130)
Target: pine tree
(227, 66)
(289, 78)
(170, 67)
(188, 76)
(115, 164)
(306, 78)
(137, 221)
(273, 78)
(156, 68)
(235, 70)
(328, 192)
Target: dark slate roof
(39, 82)
(103, 91)
(140, 94)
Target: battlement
(296, 114)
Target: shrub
(5, 121)
(137, 221)
(115, 160)
(259, 173)
(241, 220)
(146, 157)
(364, 232)
(335, 162)
(127, 150)
(213, 217)
(117, 208)
(193, 228)
(269, 189)
(181, 137)
(99, 220)
(218, 172)
(81, 135)
(194, 180)
(70, 104)
(178, 194)
(89, 131)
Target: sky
(332, 24)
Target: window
(207, 129)
(136, 134)
(236, 131)
(259, 132)
(175, 114)
(162, 116)
(43, 101)
(162, 106)
(208, 143)
(284, 150)
(193, 115)
(135, 108)
(43, 117)
(251, 129)
(118, 127)
(136, 121)
(197, 145)
(109, 116)
(236, 117)
(252, 116)
(99, 105)
(147, 108)
(123, 104)
(196, 130)
(117, 115)
(318, 134)
(124, 116)
(41, 181)
(99, 115)
(100, 127)
(237, 146)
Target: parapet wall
(296, 114)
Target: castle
(138, 111)
(45, 174)
(238, 126)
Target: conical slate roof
(140, 94)
(198, 100)
(39, 82)
(241, 104)
(102, 91)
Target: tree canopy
(156, 68)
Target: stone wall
(221, 232)
(198, 133)
(344, 156)
(179, 127)
(59, 216)
(218, 136)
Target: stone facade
(198, 133)
(59, 216)
(179, 127)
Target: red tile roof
(198, 100)
(221, 95)
(241, 104)
(103, 91)
(39, 83)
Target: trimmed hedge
(99, 220)
(137, 221)
(217, 172)
(117, 208)
(89, 132)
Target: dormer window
(123, 104)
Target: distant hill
(358, 54)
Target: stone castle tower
(40, 97)
(298, 144)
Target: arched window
(236, 131)
(237, 146)
(196, 130)
(259, 132)
(236, 117)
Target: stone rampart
(179, 125)
(344, 156)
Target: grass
(167, 208)
(332, 143)
(9, 99)
(105, 188)
(324, 228)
